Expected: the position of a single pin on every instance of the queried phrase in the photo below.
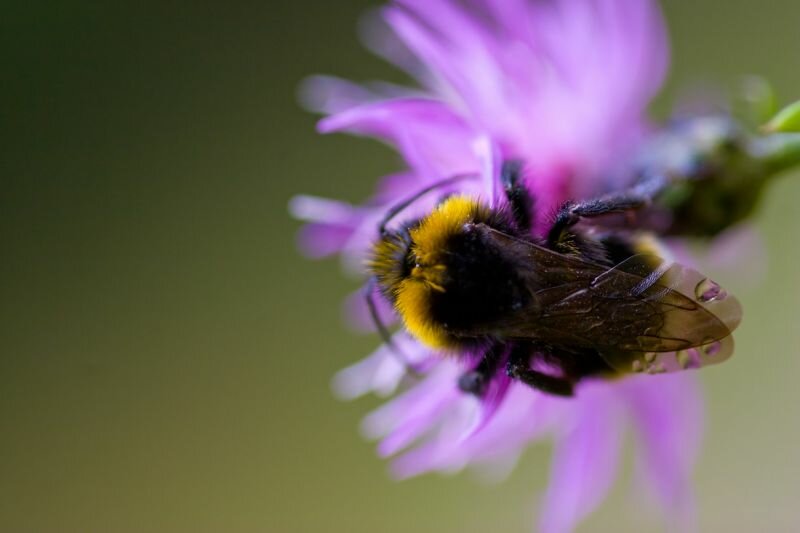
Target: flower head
(562, 86)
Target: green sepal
(787, 120)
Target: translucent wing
(643, 315)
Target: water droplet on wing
(686, 359)
(709, 290)
(711, 349)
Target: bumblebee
(471, 280)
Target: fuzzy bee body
(469, 279)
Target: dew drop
(685, 359)
(709, 290)
(711, 349)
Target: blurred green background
(166, 354)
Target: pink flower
(561, 85)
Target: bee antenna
(410, 368)
(397, 208)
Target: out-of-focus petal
(434, 141)
(524, 416)
(358, 314)
(738, 253)
(667, 415)
(437, 453)
(382, 371)
(330, 95)
(316, 209)
(420, 417)
(396, 413)
(394, 188)
(322, 240)
(378, 37)
(490, 160)
(492, 399)
(559, 84)
(331, 224)
(586, 459)
(458, 52)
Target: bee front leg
(639, 196)
(519, 199)
(518, 367)
(475, 381)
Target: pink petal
(437, 453)
(491, 161)
(439, 383)
(458, 50)
(378, 37)
(667, 414)
(562, 85)
(322, 240)
(329, 94)
(382, 371)
(358, 315)
(332, 224)
(419, 418)
(523, 417)
(433, 139)
(393, 188)
(585, 461)
(316, 209)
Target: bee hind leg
(518, 367)
(476, 380)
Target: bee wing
(643, 315)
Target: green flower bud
(786, 120)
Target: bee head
(419, 250)
(392, 261)
(411, 265)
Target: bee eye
(409, 262)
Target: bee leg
(475, 381)
(398, 208)
(519, 198)
(639, 196)
(369, 290)
(518, 367)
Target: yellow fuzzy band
(429, 241)
(413, 304)
(431, 236)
